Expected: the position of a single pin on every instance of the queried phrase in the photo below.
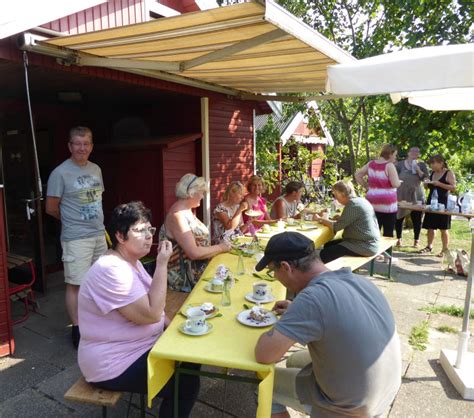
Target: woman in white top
(286, 206)
(227, 219)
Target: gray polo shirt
(80, 189)
(351, 336)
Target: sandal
(426, 250)
(416, 244)
(442, 253)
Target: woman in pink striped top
(381, 184)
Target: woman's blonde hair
(387, 151)
(344, 187)
(253, 180)
(232, 187)
(189, 185)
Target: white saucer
(250, 298)
(209, 288)
(184, 330)
(242, 317)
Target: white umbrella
(435, 78)
(413, 70)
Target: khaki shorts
(79, 255)
(284, 387)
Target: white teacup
(261, 291)
(195, 310)
(197, 322)
(290, 221)
(217, 283)
(326, 215)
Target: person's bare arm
(360, 174)
(393, 175)
(177, 224)
(52, 206)
(280, 211)
(450, 178)
(234, 222)
(271, 346)
(150, 307)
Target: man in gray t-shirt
(353, 363)
(74, 197)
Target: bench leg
(104, 412)
(142, 405)
(372, 267)
(389, 251)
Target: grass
(448, 310)
(447, 329)
(459, 238)
(419, 336)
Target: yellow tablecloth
(320, 234)
(230, 344)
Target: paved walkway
(34, 381)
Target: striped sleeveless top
(381, 194)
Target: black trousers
(134, 379)
(386, 222)
(416, 218)
(333, 249)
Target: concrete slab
(32, 404)
(419, 400)
(24, 375)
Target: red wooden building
(185, 105)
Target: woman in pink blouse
(121, 312)
(382, 183)
(256, 202)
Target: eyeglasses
(143, 231)
(81, 144)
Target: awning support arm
(233, 49)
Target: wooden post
(206, 203)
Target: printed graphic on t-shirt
(89, 193)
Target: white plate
(209, 288)
(242, 317)
(250, 298)
(184, 330)
(185, 308)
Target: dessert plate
(244, 318)
(185, 309)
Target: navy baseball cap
(286, 246)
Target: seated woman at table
(189, 236)
(227, 216)
(286, 206)
(257, 203)
(121, 312)
(443, 180)
(361, 231)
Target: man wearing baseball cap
(353, 363)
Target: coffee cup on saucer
(196, 322)
(217, 284)
(261, 291)
(290, 221)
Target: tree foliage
(365, 28)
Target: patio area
(44, 366)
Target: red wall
(316, 169)
(6, 334)
(107, 15)
(230, 144)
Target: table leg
(176, 389)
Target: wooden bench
(174, 301)
(83, 392)
(385, 248)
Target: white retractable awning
(245, 50)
